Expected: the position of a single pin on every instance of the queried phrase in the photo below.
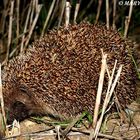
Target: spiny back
(59, 74)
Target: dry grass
(110, 90)
(19, 39)
(39, 6)
(10, 31)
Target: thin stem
(32, 11)
(17, 10)
(10, 30)
(62, 12)
(67, 14)
(3, 18)
(114, 13)
(106, 101)
(128, 19)
(107, 14)
(33, 25)
(76, 10)
(54, 13)
(48, 17)
(100, 88)
(25, 29)
(98, 11)
(2, 104)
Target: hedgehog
(58, 75)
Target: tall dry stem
(128, 19)
(48, 17)
(76, 10)
(33, 4)
(98, 11)
(2, 105)
(62, 12)
(54, 13)
(107, 14)
(17, 19)
(109, 93)
(36, 5)
(33, 25)
(114, 13)
(100, 88)
(3, 17)
(25, 29)
(10, 30)
(67, 13)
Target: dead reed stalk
(25, 29)
(107, 98)
(10, 30)
(48, 17)
(98, 11)
(2, 105)
(33, 4)
(76, 10)
(15, 130)
(62, 12)
(17, 19)
(100, 88)
(110, 90)
(107, 14)
(67, 13)
(128, 18)
(114, 14)
(54, 13)
(33, 25)
(3, 17)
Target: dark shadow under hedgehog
(59, 74)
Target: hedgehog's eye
(24, 89)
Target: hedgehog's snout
(18, 106)
(17, 111)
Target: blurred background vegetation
(23, 21)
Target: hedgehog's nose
(17, 111)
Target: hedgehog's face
(17, 101)
(13, 107)
(20, 99)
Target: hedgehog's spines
(61, 71)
